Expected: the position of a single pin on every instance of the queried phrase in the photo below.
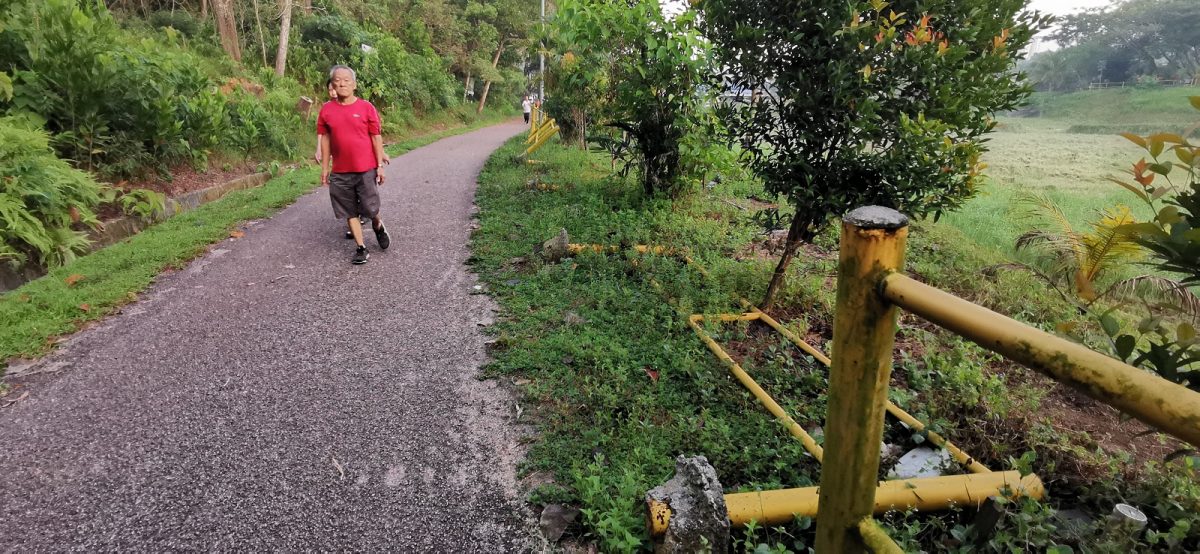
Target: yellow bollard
(864, 330)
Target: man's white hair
(347, 68)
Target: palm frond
(1109, 243)
(1160, 288)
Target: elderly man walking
(352, 159)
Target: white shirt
(526, 105)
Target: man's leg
(355, 230)
(342, 191)
(370, 204)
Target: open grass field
(1045, 155)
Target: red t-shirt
(350, 128)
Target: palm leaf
(1161, 288)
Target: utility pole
(542, 58)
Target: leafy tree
(867, 102)
(656, 68)
(1132, 38)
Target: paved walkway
(272, 396)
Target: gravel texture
(272, 396)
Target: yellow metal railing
(870, 291)
(541, 128)
(781, 506)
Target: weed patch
(618, 385)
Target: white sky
(1064, 7)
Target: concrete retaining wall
(122, 228)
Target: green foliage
(1169, 185)
(650, 74)
(869, 102)
(180, 20)
(614, 512)
(866, 103)
(399, 80)
(1137, 39)
(117, 104)
(43, 201)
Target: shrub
(43, 201)
(180, 20)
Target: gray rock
(555, 520)
(921, 462)
(572, 318)
(699, 521)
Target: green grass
(1066, 154)
(1038, 156)
(32, 316)
(1165, 106)
(624, 389)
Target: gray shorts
(354, 194)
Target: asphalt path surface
(272, 396)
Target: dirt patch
(1106, 428)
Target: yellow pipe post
(926, 494)
(762, 396)
(863, 336)
(1169, 407)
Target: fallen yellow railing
(780, 506)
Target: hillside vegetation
(130, 91)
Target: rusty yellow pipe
(541, 141)
(541, 130)
(606, 248)
(875, 538)
(1169, 407)
(766, 400)
(963, 458)
(810, 349)
(927, 494)
(658, 517)
(543, 134)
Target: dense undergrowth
(133, 93)
(618, 385)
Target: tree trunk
(466, 86)
(203, 9)
(262, 41)
(285, 29)
(227, 28)
(487, 85)
(307, 5)
(799, 231)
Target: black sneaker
(360, 256)
(383, 238)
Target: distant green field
(1041, 154)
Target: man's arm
(326, 159)
(380, 157)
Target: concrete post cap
(876, 217)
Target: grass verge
(618, 386)
(68, 297)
